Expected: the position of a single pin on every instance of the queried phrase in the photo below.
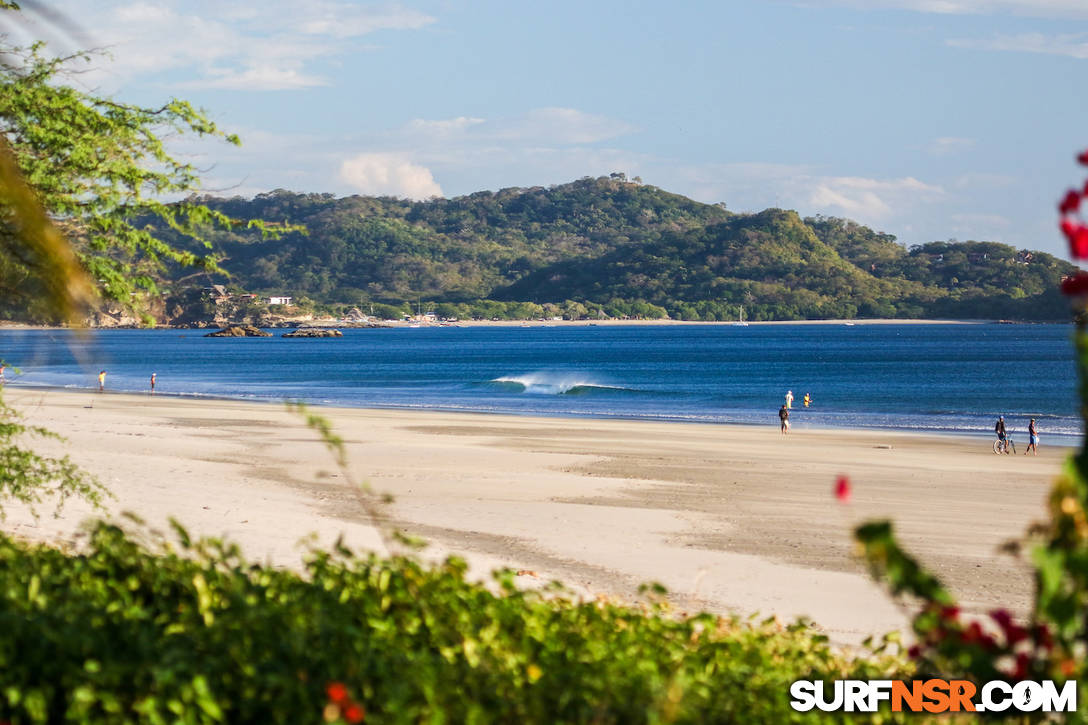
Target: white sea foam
(554, 383)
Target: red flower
(354, 713)
(1070, 203)
(1083, 157)
(1077, 236)
(1043, 638)
(1069, 227)
(1075, 285)
(1002, 617)
(950, 612)
(1015, 634)
(914, 652)
(1078, 245)
(973, 633)
(842, 489)
(337, 692)
(1022, 662)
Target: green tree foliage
(632, 249)
(454, 250)
(76, 172)
(41, 259)
(101, 173)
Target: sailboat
(740, 320)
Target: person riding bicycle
(999, 429)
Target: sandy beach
(728, 518)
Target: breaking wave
(556, 384)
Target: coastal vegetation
(94, 172)
(137, 628)
(609, 247)
(119, 630)
(131, 632)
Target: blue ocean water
(954, 378)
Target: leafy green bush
(125, 632)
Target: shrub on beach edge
(123, 632)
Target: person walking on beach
(784, 416)
(1033, 438)
(807, 399)
(999, 429)
(101, 380)
(3, 367)
(153, 383)
(789, 399)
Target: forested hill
(623, 248)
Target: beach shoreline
(396, 324)
(729, 518)
(1062, 440)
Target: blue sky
(928, 119)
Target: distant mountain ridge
(623, 248)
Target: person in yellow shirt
(807, 399)
(101, 380)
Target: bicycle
(1004, 446)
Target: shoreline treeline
(610, 247)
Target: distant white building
(279, 300)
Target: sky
(926, 119)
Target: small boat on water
(740, 320)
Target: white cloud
(539, 126)
(339, 20)
(870, 199)
(538, 147)
(443, 128)
(974, 221)
(242, 45)
(561, 126)
(752, 186)
(946, 145)
(1073, 45)
(258, 79)
(385, 174)
(980, 226)
(1067, 9)
(977, 180)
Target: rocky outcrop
(240, 331)
(113, 317)
(313, 332)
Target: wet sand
(728, 518)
